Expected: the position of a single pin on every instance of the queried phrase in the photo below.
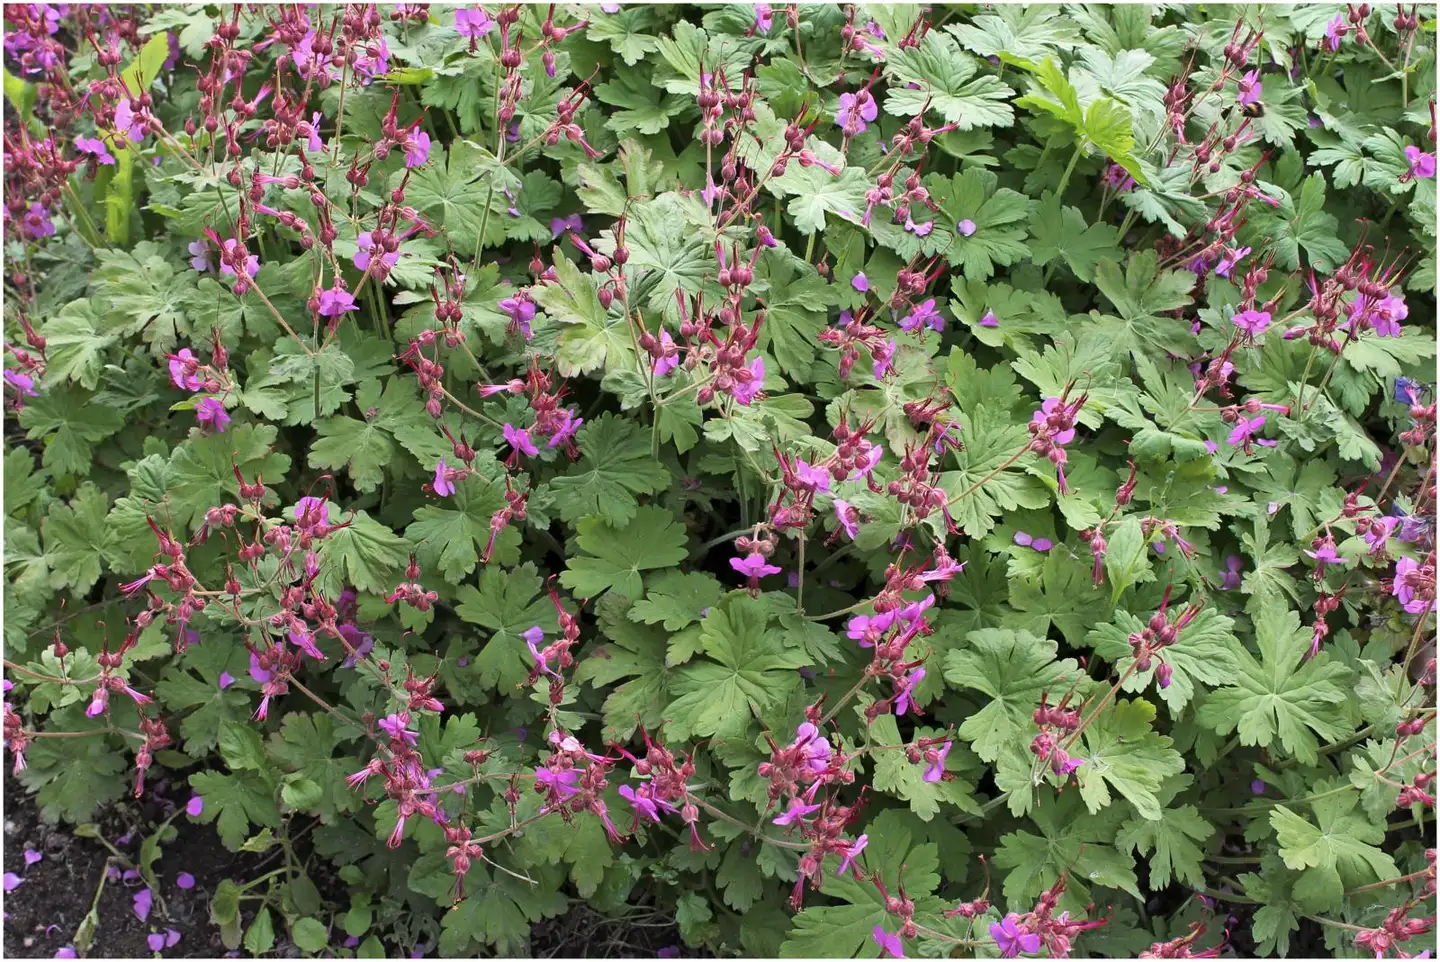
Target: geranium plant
(878, 480)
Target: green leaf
(451, 539)
(75, 348)
(260, 937)
(364, 554)
(1061, 232)
(360, 447)
(1071, 842)
(677, 599)
(636, 653)
(305, 746)
(615, 556)
(74, 536)
(898, 776)
(592, 338)
(1013, 668)
(615, 465)
(1285, 694)
(815, 192)
(1121, 752)
(234, 803)
(748, 671)
(796, 306)
(309, 935)
(1204, 655)
(844, 931)
(70, 424)
(508, 603)
(944, 78)
(1344, 843)
(1170, 841)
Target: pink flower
(851, 850)
(668, 359)
(644, 805)
(919, 230)
(1252, 322)
(417, 148)
(1245, 430)
(335, 301)
(519, 440)
(1011, 940)
(924, 314)
(96, 147)
(1422, 166)
(367, 249)
(442, 486)
(753, 565)
(473, 23)
(848, 517)
(744, 391)
(810, 477)
(210, 413)
(1249, 89)
(856, 110)
(184, 366)
(936, 769)
(1053, 405)
(764, 18)
(891, 946)
(904, 696)
(796, 810)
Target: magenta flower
(559, 225)
(1380, 531)
(883, 359)
(852, 850)
(125, 120)
(368, 250)
(856, 111)
(232, 250)
(569, 424)
(1053, 405)
(1245, 430)
(936, 769)
(810, 477)
(199, 255)
(24, 384)
(1011, 940)
(37, 224)
(184, 370)
(1422, 166)
(764, 18)
(96, 147)
(1326, 555)
(923, 314)
(521, 312)
(1230, 577)
(1408, 576)
(417, 148)
(210, 414)
(848, 517)
(1249, 89)
(519, 441)
(754, 565)
(891, 946)
(563, 783)
(860, 282)
(442, 486)
(922, 229)
(395, 727)
(1229, 260)
(473, 23)
(796, 810)
(310, 511)
(965, 227)
(1335, 31)
(335, 301)
(644, 805)
(1252, 322)
(744, 391)
(668, 360)
(904, 696)
(1025, 540)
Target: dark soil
(44, 913)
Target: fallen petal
(185, 880)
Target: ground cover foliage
(868, 480)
